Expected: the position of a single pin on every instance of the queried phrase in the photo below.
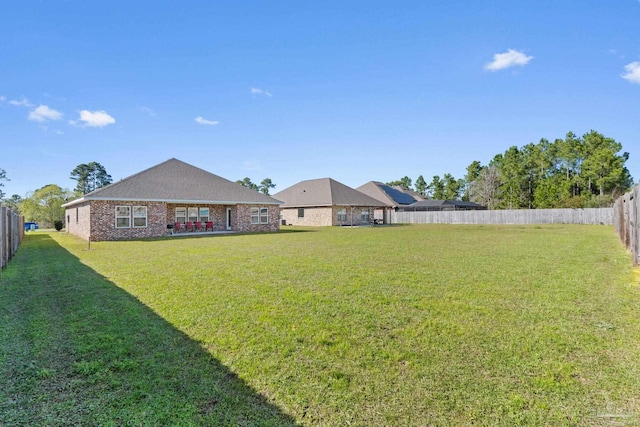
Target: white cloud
(43, 113)
(95, 119)
(2, 98)
(510, 58)
(257, 91)
(204, 121)
(24, 102)
(633, 72)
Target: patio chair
(189, 226)
(208, 226)
(177, 227)
(198, 226)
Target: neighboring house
(442, 205)
(325, 202)
(151, 202)
(417, 196)
(393, 198)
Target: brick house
(325, 202)
(164, 199)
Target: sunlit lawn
(403, 325)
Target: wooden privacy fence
(520, 216)
(626, 214)
(11, 234)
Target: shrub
(57, 224)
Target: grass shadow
(75, 349)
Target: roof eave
(74, 202)
(334, 204)
(184, 201)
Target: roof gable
(177, 181)
(324, 192)
(385, 193)
(398, 196)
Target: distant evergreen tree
(3, 176)
(90, 177)
(587, 171)
(246, 182)
(265, 185)
(421, 185)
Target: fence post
(634, 205)
(11, 234)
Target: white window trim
(202, 218)
(128, 216)
(264, 213)
(255, 214)
(258, 214)
(185, 214)
(134, 216)
(190, 210)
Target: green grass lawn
(385, 326)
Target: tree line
(574, 172)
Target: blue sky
(291, 90)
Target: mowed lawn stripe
(406, 325)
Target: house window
(193, 214)
(364, 215)
(181, 215)
(204, 215)
(123, 216)
(342, 214)
(139, 216)
(259, 216)
(300, 213)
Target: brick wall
(325, 216)
(103, 221)
(241, 221)
(77, 220)
(97, 219)
(321, 216)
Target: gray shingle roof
(389, 195)
(175, 181)
(324, 192)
